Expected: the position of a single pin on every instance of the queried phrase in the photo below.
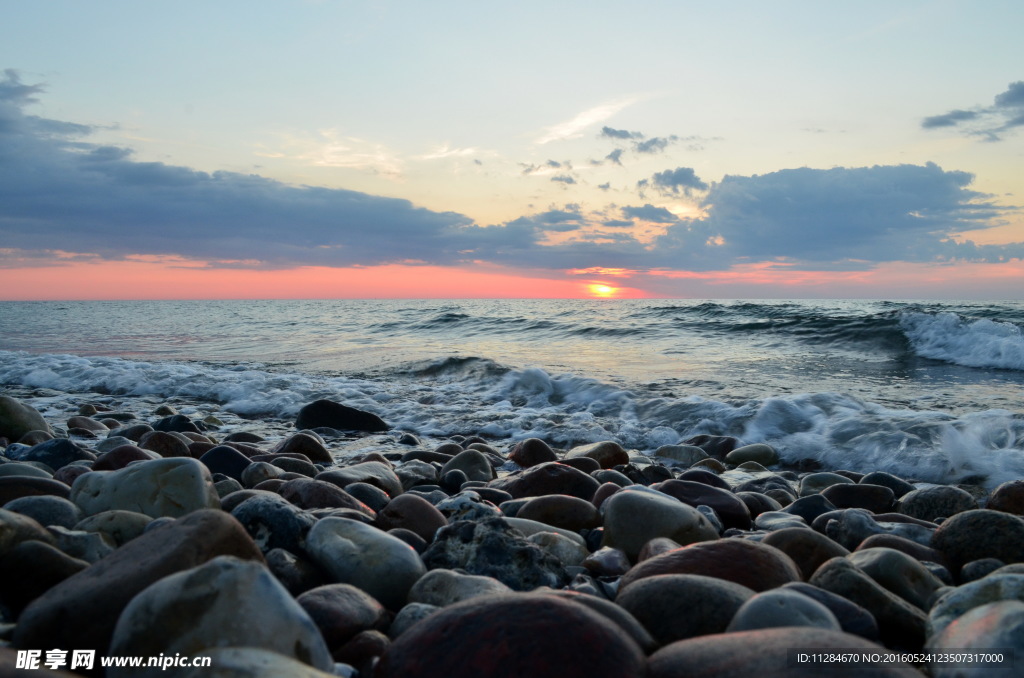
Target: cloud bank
(989, 122)
(60, 194)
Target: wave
(953, 338)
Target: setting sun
(602, 291)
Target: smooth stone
(120, 457)
(569, 551)
(976, 569)
(374, 473)
(258, 471)
(351, 552)
(561, 510)
(179, 423)
(16, 528)
(30, 569)
(531, 527)
(814, 483)
(960, 600)
(700, 475)
(899, 573)
(164, 444)
(548, 478)
(855, 525)
(758, 503)
(779, 520)
(782, 607)
(607, 562)
(467, 505)
(874, 498)
(112, 443)
(491, 547)
(604, 491)
(413, 513)
(341, 611)
(585, 464)
(47, 510)
(473, 463)
(87, 546)
(512, 636)
(305, 444)
(678, 606)
(226, 487)
(767, 653)
(898, 485)
(16, 487)
(409, 616)
(224, 602)
(710, 464)
(608, 453)
(81, 611)
(18, 418)
(362, 652)
(54, 453)
(900, 624)
(996, 627)
(732, 511)
(292, 465)
(1008, 498)
(442, 587)
(608, 475)
(17, 468)
(852, 617)
(308, 493)
(329, 414)
(939, 501)
(757, 566)
(656, 547)
(531, 452)
(87, 423)
(758, 452)
(715, 446)
(297, 573)
(227, 460)
(686, 455)
(415, 473)
(162, 487)
(911, 548)
(133, 433)
(120, 526)
(273, 522)
(807, 548)
(633, 517)
(374, 497)
(980, 533)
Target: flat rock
(225, 602)
(513, 636)
(852, 526)
(329, 414)
(162, 487)
(814, 483)
(874, 498)
(375, 473)
(81, 611)
(634, 517)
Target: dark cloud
(615, 156)
(617, 223)
(654, 144)
(649, 212)
(564, 179)
(610, 133)
(605, 186)
(1006, 112)
(554, 164)
(681, 180)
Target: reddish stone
(1008, 498)
(119, 457)
(412, 513)
(757, 566)
(730, 508)
(531, 452)
(16, 487)
(561, 510)
(548, 478)
(807, 548)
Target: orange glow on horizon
(602, 291)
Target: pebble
(758, 453)
(980, 533)
(807, 548)
(782, 607)
(608, 453)
(561, 510)
(341, 611)
(899, 573)
(376, 473)
(685, 455)
(634, 517)
(732, 511)
(162, 487)
(548, 478)
(442, 587)
(938, 501)
(996, 627)
(412, 513)
(47, 510)
(1008, 497)
(959, 600)
(18, 418)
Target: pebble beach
(333, 544)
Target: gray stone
(87, 546)
(958, 601)
(996, 627)
(633, 517)
(473, 463)
(814, 483)
(162, 487)
(441, 587)
(18, 418)
(120, 526)
(938, 501)
(782, 607)
(409, 616)
(685, 455)
(47, 510)
(899, 573)
(258, 471)
(855, 525)
(757, 452)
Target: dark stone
(307, 493)
(977, 569)
(678, 606)
(560, 510)
(493, 494)
(376, 473)
(274, 523)
(15, 487)
(68, 474)
(54, 453)
(341, 611)
(326, 413)
(699, 475)
(714, 446)
(1008, 498)
(874, 498)
(362, 651)
(513, 636)
(179, 423)
(371, 495)
(981, 533)
(911, 548)
(297, 573)
(81, 611)
(452, 481)
(164, 444)
(531, 452)
(226, 460)
(30, 569)
(767, 484)
(898, 485)
(758, 503)
(413, 513)
(47, 510)
(939, 501)
(852, 617)
(306, 445)
(810, 507)
(732, 511)
(418, 543)
(808, 549)
(119, 457)
(608, 475)
(134, 432)
(229, 501)
(548, 478)
(585, 464)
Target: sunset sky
(346, 148)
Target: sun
(602, 291)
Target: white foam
(972, 343)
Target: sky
(381, 149)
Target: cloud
(654, 144)
(620, 134)
(681, 180)
(649, 212)
(1005, 113)
(564, 179)
(574, 127)
(615, 156)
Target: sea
(930, 391)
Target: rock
(996, 628)
(608, 475)
(513, 636)
(374, 473)
(87, 424)
(531, 452)
(274, 523)
(608, 454)
(473, 463)
(960, 600)
(297, 573)
(258, 472)
(874, 498)
(900, 624)
(341, 611)
(548, 478)
(179, 423)
(226, 460)
(18, 418)
(855, 525)
(758, 452)
(363, 651)
(81, 611)
(980, 533)
(772, 521)
(492, 548)
(699, 475)
(17, 468)
(814, 483)
(729, 508)
(685, 455)
(409, 616)
(119, 457)
(768, 653)
(16, 528)
(811, 506)
(678, 606)
(163, 487)
(374, 497)
(715, 446)
(1008, 497)
(899, 573)
(852, 617)
(807, 548)
(898, 486)
(120, 526)
(416, 473)
(412, 513)
(30, 569)
(467, 505)
(569, 551)
(710, 464)
(607, 562)
(976, 569)
(307, 493)
(351, 552)
(938, 501)
(307, 445)
(222, 603)
(16, 487)
(757, 566)
(561, 510)
(634, 517)
(87, 546)
(164, 444)
(47, 510)
(54, 453)
(329, 414)
(442, 587)
(758, 503)
(782, 607)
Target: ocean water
(929, 391)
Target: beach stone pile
(481, 558)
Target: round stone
(782, 607)
(807, 548)
(980, 533)
(561, 510)
(341, 611)
(634, 517)
(1008, 497)
(938, 501)
(531, 452)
